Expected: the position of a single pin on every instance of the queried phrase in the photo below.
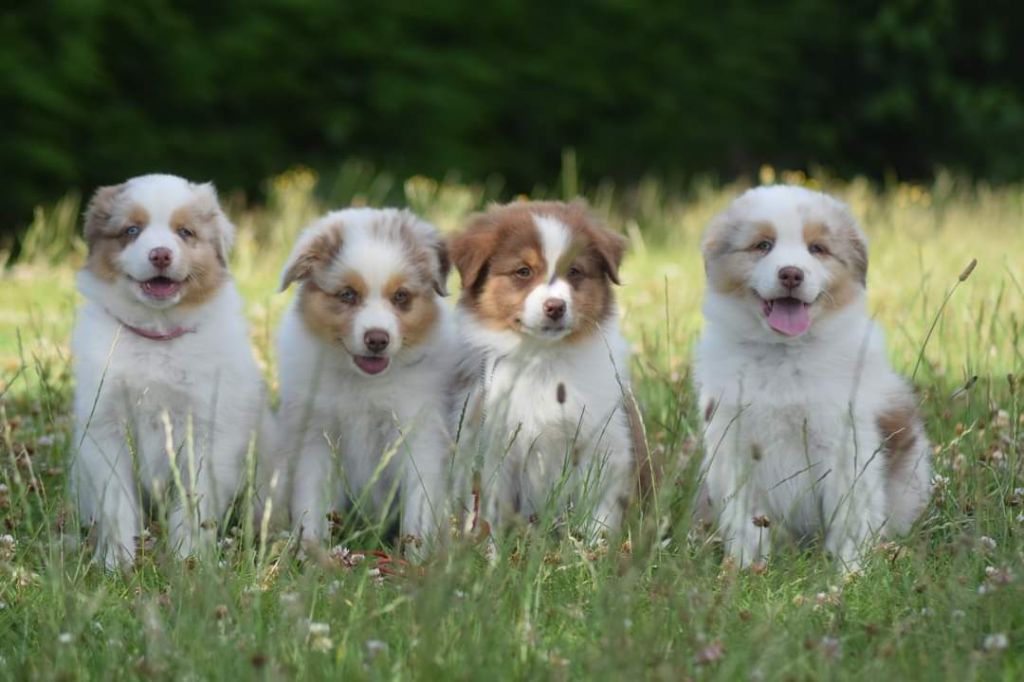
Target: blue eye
(348, 295)
(185, 233)
(764, 246)
(132, 231)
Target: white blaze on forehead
(554, 238)
(376, 259)
(160, 195)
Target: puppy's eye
(524, 272)
(348, 295)
(131, 231)
(817, 249)
(764, 246)
(400, 297)
(185, 233)
(574, 272)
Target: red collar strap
(169, 335)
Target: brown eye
(524, 272)
(764, 246)
(817, 249)
(348, 295)
(400, 297)
(574, 272)
(185, 233)
(131, 231)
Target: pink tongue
(161, 287)
(371, 364)
(789, 316)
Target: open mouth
(371, 364)
(160, 288)
(788, 316)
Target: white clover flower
(996, 642)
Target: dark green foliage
(92, 91)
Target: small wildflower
(319, 629)
(64, 638)
(799, 600)
(958, 614)
(995, 642)
(375, 647)
(830, 648)
(987, 543)
(711, 653)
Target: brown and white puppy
(365, 358)
(165, 376)
(548, 368)
(808, 430)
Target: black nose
(160, 257)
(376, 340)
(791, 277)
(554, 308)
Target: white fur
(807, 407)
(205, 382)
(517, 434)
(349, 437)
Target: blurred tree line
(92, 91)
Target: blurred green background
(93, 91)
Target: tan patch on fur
(418, 315)
(730, 256)
(317, 254)
(897, 426)
(498, 242)
(207, 264)
(101, 235)
(326, 315)
(845, 260)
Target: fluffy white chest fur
(356, 442)
(792, 438)
(139, 403)
(544, 424)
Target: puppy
(547, 370)
(808, 428)
(168, 396)
(365, 357)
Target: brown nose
(554, 308)
(791, 277)
(160, 257)
(376, 340)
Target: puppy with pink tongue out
(808, 430)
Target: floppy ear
(316, 247)
(859, 255)
(611, 247)
(471, 249)
(430, 240)
(225, 228)
(444, 267)
(100, 210)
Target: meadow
(945, 602)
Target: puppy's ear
(225, 228)
(858, 254)
(315, 248)
(610, 246)
(471, 249)
(432, 245)
(444, 267)
(100, 210)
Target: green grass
(939, 604)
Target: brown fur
(417, 316)
(496, 243)
(898, 427)
(845, 259)
(326, 315)
(730, 256)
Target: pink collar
(173, 333)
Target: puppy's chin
(549, 334)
